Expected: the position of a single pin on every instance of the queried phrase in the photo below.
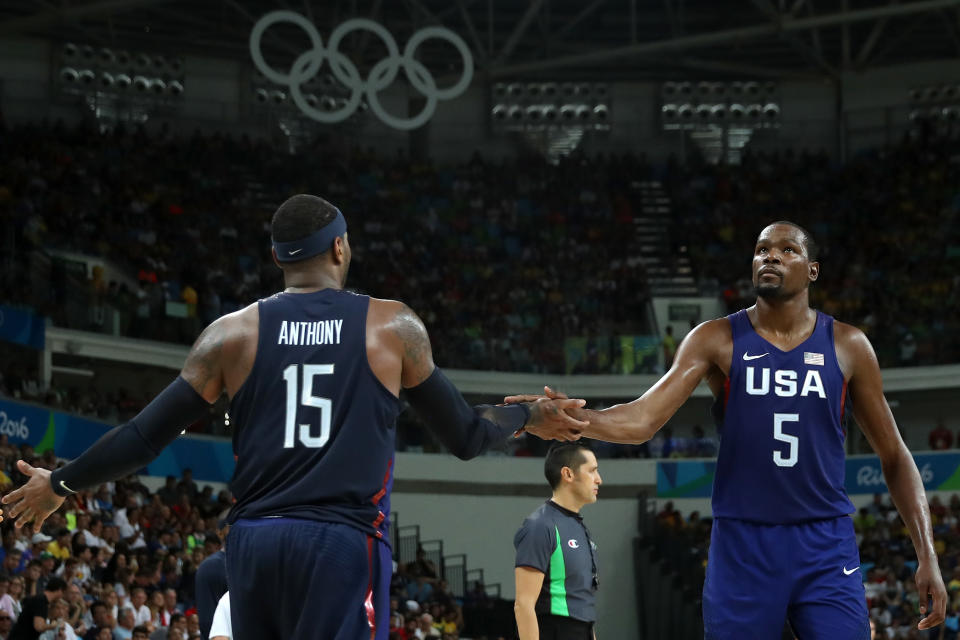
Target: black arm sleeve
(133, 445)
(465, 432)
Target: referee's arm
(529, 581)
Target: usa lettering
(310, 333)
(785, 383)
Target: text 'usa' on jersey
(315, 429)
(782, 457)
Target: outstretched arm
(132, 445)
(873, 414)
(464, 431)
(637, 421)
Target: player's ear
(814, 271)
(339, 249)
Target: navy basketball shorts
(759, 575)
(295, 579)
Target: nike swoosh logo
(293, 253)
(747, 356)
(66, 488)
(847, 572)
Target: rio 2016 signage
(382, 75)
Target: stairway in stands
(669, 271)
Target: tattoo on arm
(203, 368)
(417, 353)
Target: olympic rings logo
(380, 77)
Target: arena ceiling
(556, 39)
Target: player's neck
(784, 315)
(567, 502)
(308, 281)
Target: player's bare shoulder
(709, 342)
(854, 350)
(393, 325)
(223, 355)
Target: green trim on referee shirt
(558, 579)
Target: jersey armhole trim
(256, 357)
(366, 357)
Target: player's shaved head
(300, 216)
(809, 244)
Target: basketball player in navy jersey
(783, 544)
(313, 375)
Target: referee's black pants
(563, 628)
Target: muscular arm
(637, 421)
(873, 414)
(528, 583)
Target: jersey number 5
(791, 458)
(309, 400)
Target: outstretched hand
(930, 585)
(34, 501)
(553, 416)
(548, 393)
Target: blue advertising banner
(22, 327)
(68, 435)
(694, 478)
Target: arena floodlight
(262, 95)
(515, 89)
(87, 52)
(770, 87)
(142, 61)
(948, 91)
(122, 81)
(550, 113)
(159, 63)
(771, 111)
(568, 89)
(718, 113)
(669, 90)
(568, 113)
(685, 89)
(123, 58)
(69, 75)
(499, 112)
(754, 111)
(600, 91)
(704, 88)
(87, 76)
(533, 90)
(719, 90)
(737, 111)
(69, 50)
(278, 97)
(141, 83)
(327, 103)
(515, 113)
(736, 88)
(601, 113)
(703, 112)
(107, 56)
(175, 64)
(931, 94)
(669, 112)
(158, 86)
(550, 90)
(106, 80)
(584, 90)
(950, 114)
(751, 89)
(175, 88)
(685, 112)
(500, 90)
(583, 112)
(312, 100)
(534, 113)
(917, 115)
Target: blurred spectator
(941, 437)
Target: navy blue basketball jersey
(781, 458)
(314, 427)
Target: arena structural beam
(70, 13)
(753, 32)
(807, 51)
(519, 30)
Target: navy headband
(312, 245)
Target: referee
(556, 566)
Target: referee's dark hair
(567, 454)
(300, 216)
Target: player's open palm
(930, 586)
(34, 501)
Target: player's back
(314, 427)
(782, 456)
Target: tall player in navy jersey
(313, 375)
(783, 544)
